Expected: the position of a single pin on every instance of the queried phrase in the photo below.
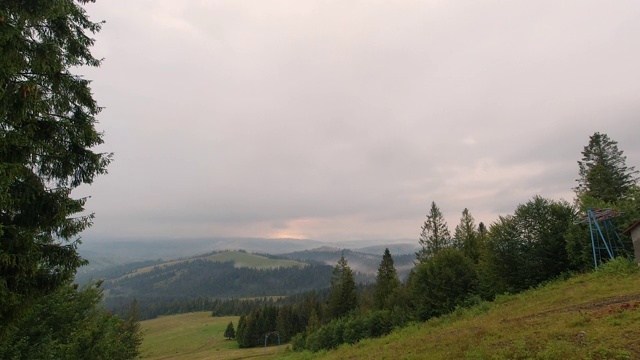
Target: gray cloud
(345, 119)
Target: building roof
(630, 228)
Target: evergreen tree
(69, 324)
(387, 282)
(466, 236)
(131, 333)
(482, 229)
(314, 323)
(604, 174)
(241, 331)
(527, 248)
(230, 332)
(286, 322)
(343, 298)
(434, 236)
(47, 131)
(441, 283)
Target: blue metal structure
(604, 237)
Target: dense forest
(541, 241)
(195, 284)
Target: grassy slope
(193, 336)
(593, 316)
(242, 259)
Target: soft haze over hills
(339, 120)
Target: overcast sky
(342, 120)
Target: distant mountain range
(104, 253)
(359, 261)
(137, 269)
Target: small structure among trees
(605, 240)
(634, 232)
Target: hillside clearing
(193, 336)
(239, 259)
(593, 316)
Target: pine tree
(343, 298)
(131, 335)
(314, 323)
(435, 234)
(603, 172)
(230, 333)
(466, 236)
(241, 334)
(387, 282)
(47, 131)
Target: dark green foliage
(47, 130)
(466, 238)
(230, 332)
(69, 324)
(346, 330)
(603, 172)
(442, 283)
(288, 320)
(241, 333)
(434, 236)
(387, 282)
(191, 286)
(343, 298)
(527, 248)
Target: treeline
(152, 308)
(541, 241)
(203, 285)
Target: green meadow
(194, 336)
(593, 316)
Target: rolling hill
(189, 283)
(590, 316)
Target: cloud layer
(339, 120)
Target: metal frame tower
(604, 237)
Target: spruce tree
(47, 131)
(604, 174)
(434, 236)
(343, 298)
(387, 282)
(241, 332)
(466, 236)
(230, 333)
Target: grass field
(195, 336)
(594, 316)
(242, 259)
